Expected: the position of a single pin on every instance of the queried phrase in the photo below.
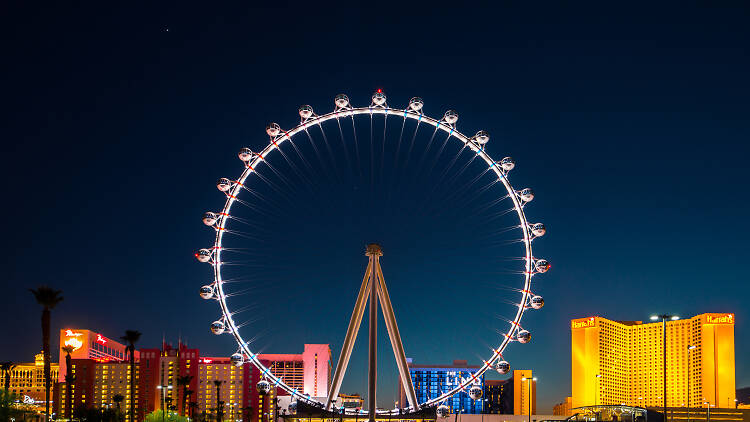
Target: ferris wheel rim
(343, 112)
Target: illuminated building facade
(234, 390)
(351, 401)
(615, 362)
(431, 381)
(89, 345)
(511, 396)
(27, 381)
(565, 408)
(310, 372)
(95, 385)
(159, 370)
(99, 379)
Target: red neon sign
(101, 339)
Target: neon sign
(583, 323)
(454, 378)
(72, 340)
(101, 339)
(720, 319)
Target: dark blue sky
(629, 123)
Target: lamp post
(529, 380)
(163, 397)
(690, 348)
(664, 318)
(596, 392)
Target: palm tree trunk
(69, 388)
(132, 383)
(45, 350)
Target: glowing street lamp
(529, 380)
(163, 397)
(664, 318)
(690, 348)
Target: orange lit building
(565, 408)
(615, 362)
(27, 382)
(234, 383)
(89, 345)
(524, 392)
(95, 385)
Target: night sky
(630, 124)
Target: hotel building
(513, 396)
(98, 380)
(27, 381)
(615, 362)
(89, 345)
(431, 381)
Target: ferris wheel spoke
(382, 151)
(346, 150)
(398, 144)
(273, 185)
(302, 178)
(317, 154)
(304, 161)
(438, 182)
(356, 146)
(330, 152)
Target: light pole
(690, 348)
(664, 318)
(596, 392)
(529, 380)
(163, 397)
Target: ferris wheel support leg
(351, 336)
(395, 336)
(372, 378)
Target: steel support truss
(373, 277)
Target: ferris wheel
(264, 165)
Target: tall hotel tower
(616, 362)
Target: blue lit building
(431, 381)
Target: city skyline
(630, 127)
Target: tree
(69, 378)
(184, 382)
(193, 407)
(7, 367)
(48, 298)
(130, 338)
(159, 415)
(219, 403)
(8, 407)
(118, 398)
(248, 410)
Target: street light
(664, 318)
(529, 380)
(690, 348)
(162, 388)
(597, 385)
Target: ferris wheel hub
(374, 249)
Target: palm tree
(219, 408)
(118, 398)
(7, 367)
(130, 338)
(188, 394)
(48, 298)
(184, 382)
(69, 378)
(193, 405)
(248, 411)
